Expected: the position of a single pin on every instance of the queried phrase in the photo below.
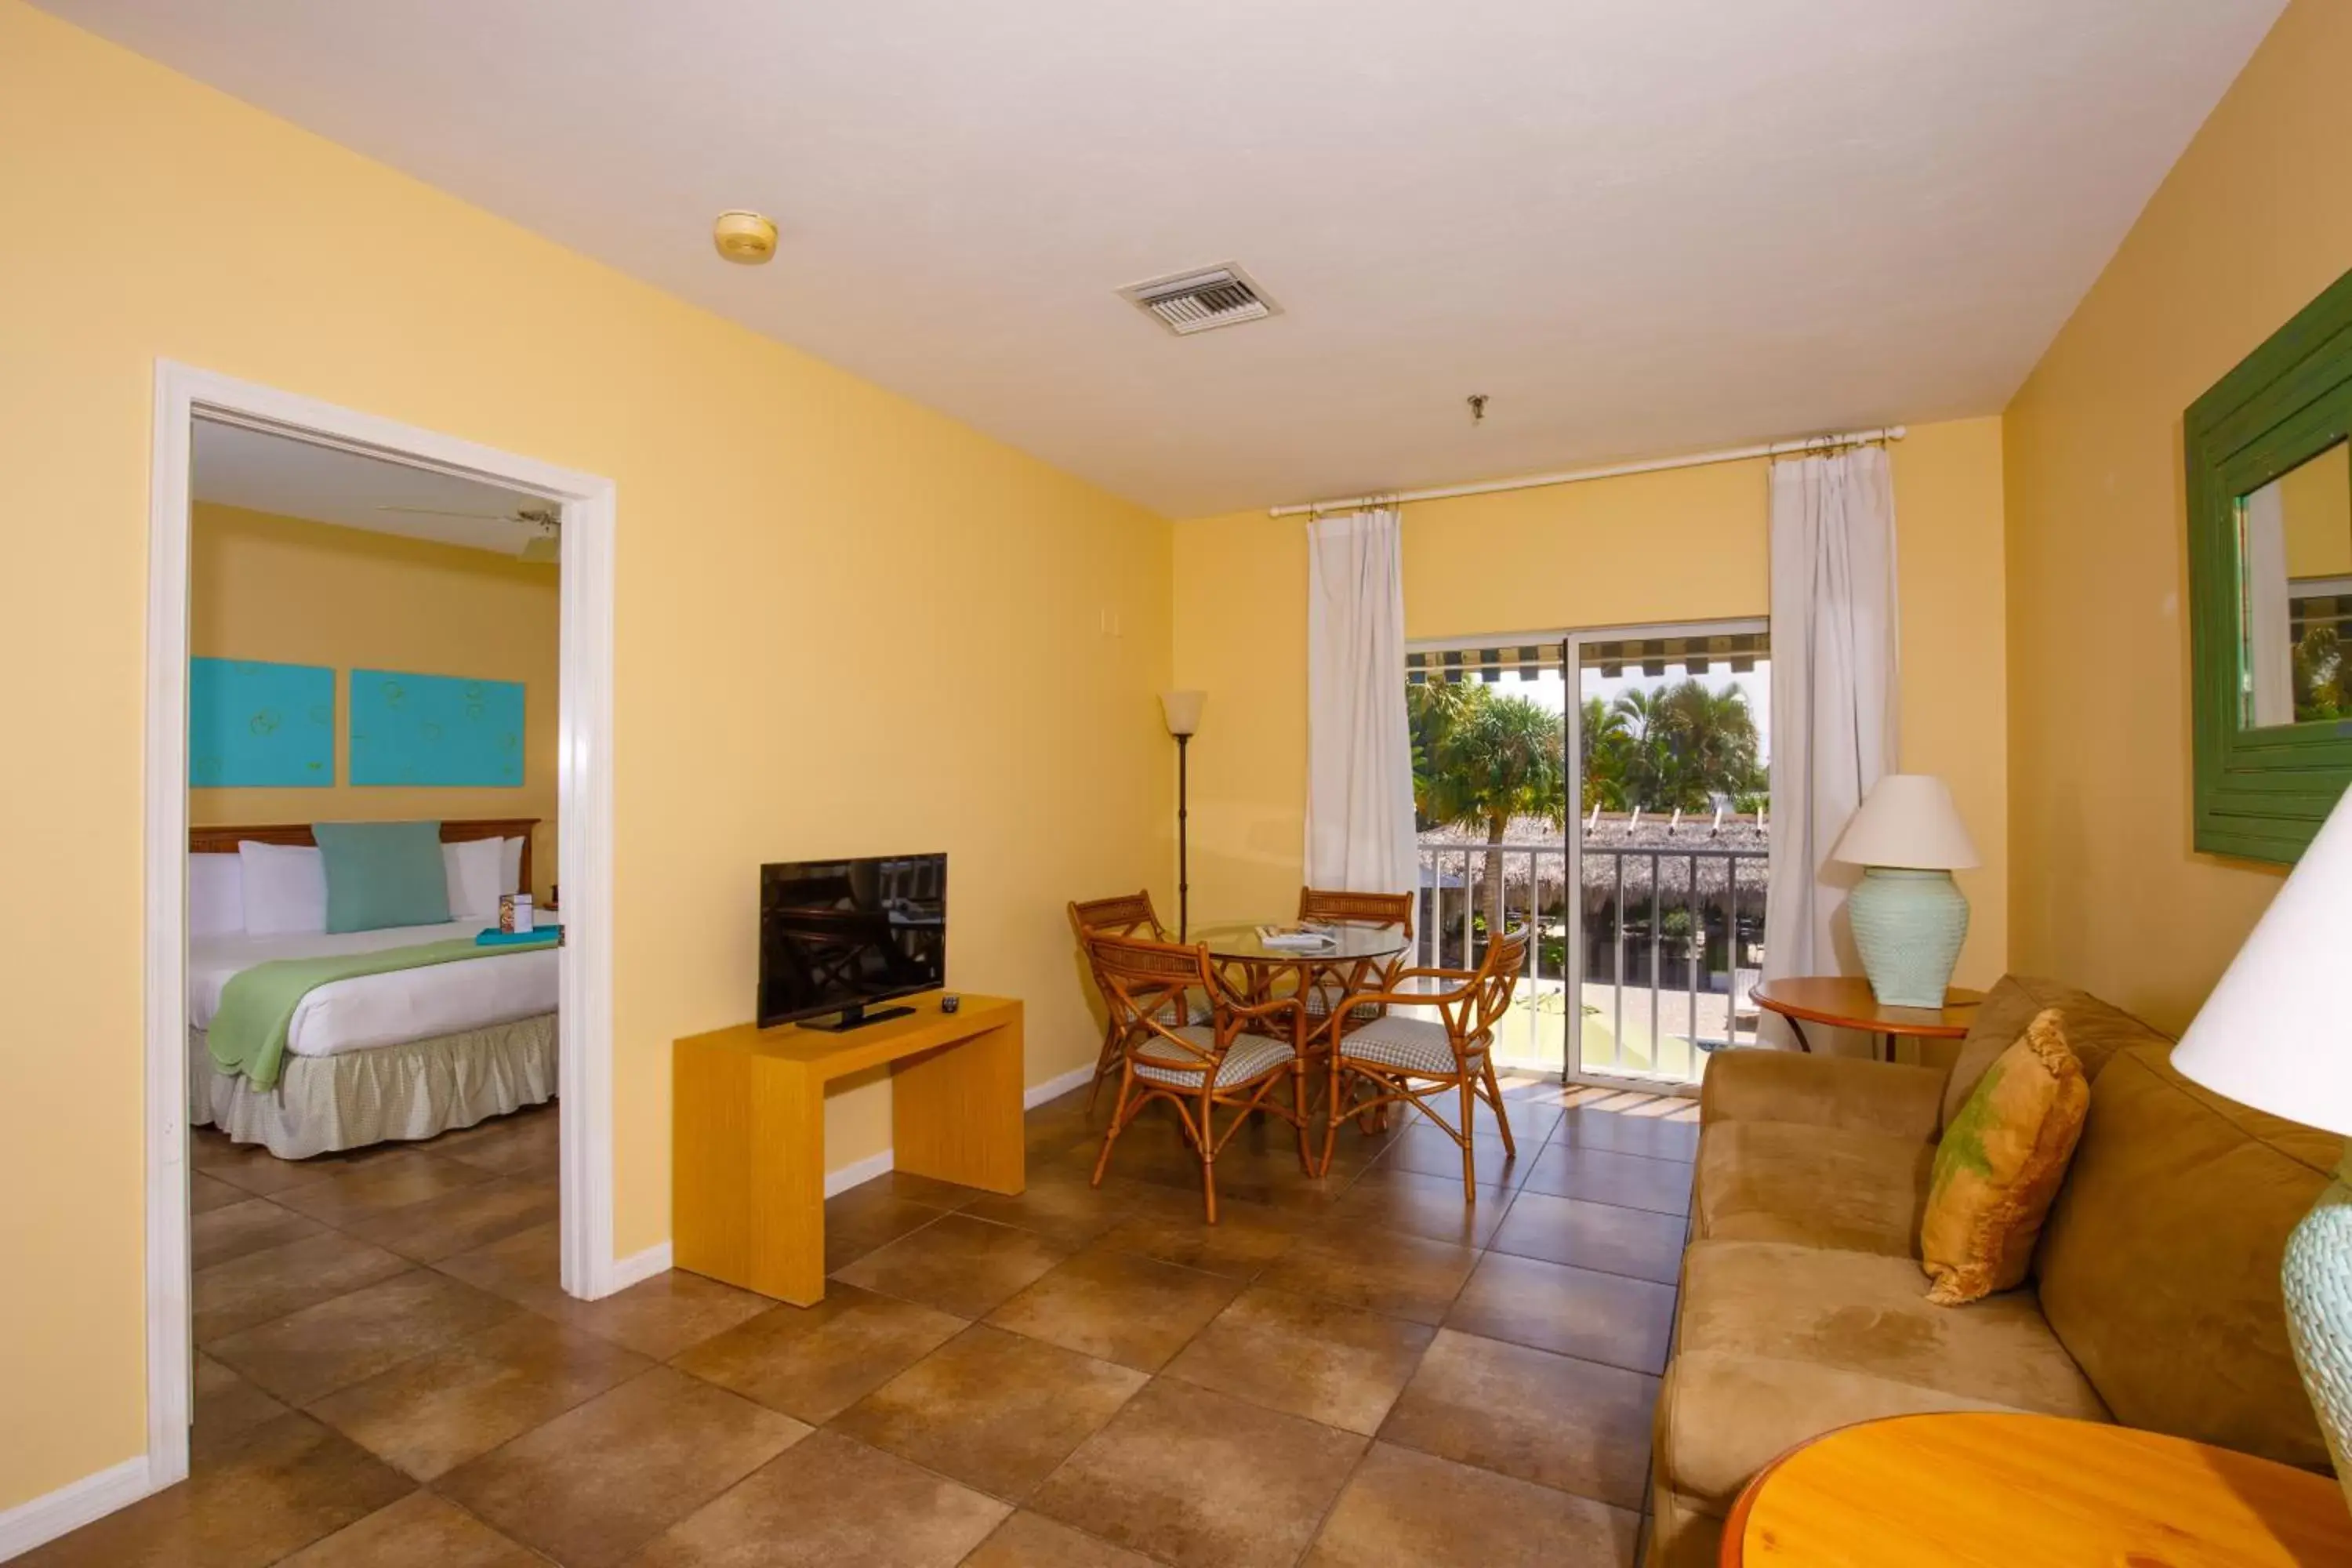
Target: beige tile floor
(1355, 1370)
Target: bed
(402, 1055)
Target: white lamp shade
(1183, 710)
(2275, 1033)
(1909, 821)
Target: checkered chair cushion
(1319, 1007)
(1196, 1006)
(1249, 1059)
(1415, 1044)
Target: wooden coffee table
(1996, 1491)
(1846, 1002)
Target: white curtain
(1834, 691)
(1359, 748)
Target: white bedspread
(380, 1010)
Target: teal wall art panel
(434, 730)
(251, 723)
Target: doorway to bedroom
(374, 888)
(378, 741)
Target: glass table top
(1239, 942)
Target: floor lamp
(1183, 709)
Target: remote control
(951, 1002)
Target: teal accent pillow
(383, 874)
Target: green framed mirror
(2270, 579)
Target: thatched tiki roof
(1453, 857)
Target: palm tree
(1714, 742)
(1499, 759)
(1686, 744)
(1649, 752)
(1605, 746)
(1432, 710)
(1642, 711)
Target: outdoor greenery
(1480, 759)
(1682, 745)
(2323, 677)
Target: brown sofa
(2154, 1299)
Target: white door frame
(1731, 625)
(583, 839)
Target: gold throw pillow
(1999, 1166)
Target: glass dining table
(1349, 963)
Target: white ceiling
(261, 472)
(1638, 225)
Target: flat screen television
(839, 936)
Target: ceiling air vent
(1196, 301)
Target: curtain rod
(1616, 470)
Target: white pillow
(509, 869)
(285, 888)
(215, 895)
(475, 867)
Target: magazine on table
(1304, 938)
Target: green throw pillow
(383, 874)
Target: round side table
(1985, 1491)
(1845, 1002)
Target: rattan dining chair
(1127, 914)
(1410, 1060)
(1237, 1059)
(1379, 911)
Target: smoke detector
(1196, 301)
(746, 238)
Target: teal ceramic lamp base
(2318, 1276)
(1908, 927)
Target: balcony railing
(1672, 939)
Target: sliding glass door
(1644, 898)
(1490, 791)
(1670, 750)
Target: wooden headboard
(224, 840)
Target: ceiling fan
(547, 548)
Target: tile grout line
(1524, 1480)
(1323, 1520)
(410, 1266)
(1554, 1135)
(1479, 1253)
(304, 1408)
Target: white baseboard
(653, 1260)
(857, 1171)
(640, 1266)
(873, 1165)
(44, 1519)
(1038, 1094)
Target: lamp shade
(1908, 820)
(1183, 710)
(2275, 1033)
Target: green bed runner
(257, 1005)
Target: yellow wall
(296, 591)
(845, 624)
(2316, 512)
(2107, 892)
(1691, 544)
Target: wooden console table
(748, 1131)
